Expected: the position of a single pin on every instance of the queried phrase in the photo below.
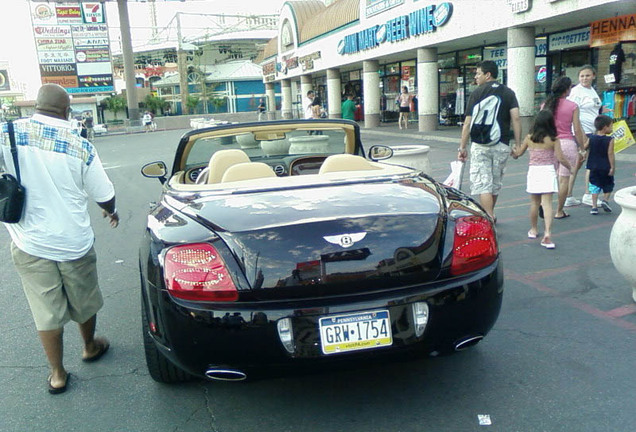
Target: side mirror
(380, 152)
(156, 170)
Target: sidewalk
(447, 138)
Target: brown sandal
(103, 346)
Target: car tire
(160, 368)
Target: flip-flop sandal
(565, 215)
(548, 244)
(103, 349)
(58, 390)
(531, 236)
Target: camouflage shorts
(487, 165)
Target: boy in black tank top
(601, 163)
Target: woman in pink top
(566, 119)
(404, 100)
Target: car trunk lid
(332, 239)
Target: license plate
(365, 330)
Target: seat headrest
(247, 171)
(222, 160)
(346, 162)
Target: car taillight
(197, 272)
(474, 245)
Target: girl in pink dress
(545, 151)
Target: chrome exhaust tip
(468, 342)
(224, 374)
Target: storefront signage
(73, 46)
(269, 68)
(292, 63)
(307, 61)
(54, 44)
(497, 55)
(500, 54)
(58, 69)
(64, 81)
(519, 6)
(421, 21)
(613, 30)
(569, 39)
(93, 12)
(374, 7)
(68, 15)
(4, 80)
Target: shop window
(448, 60)
(392, 69)
(470, 57)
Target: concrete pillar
(270, 92)
(334, 98)
(305, 86)
(521, 71)
(371, 93)
(286, 109)
(427, 89)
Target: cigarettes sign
(73, 46)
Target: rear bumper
(196, 337)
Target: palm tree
(115, 104)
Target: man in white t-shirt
(307, 101)
(52, 245)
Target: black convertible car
(287, 243)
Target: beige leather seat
(219, 163)
(346, 162)
(247, 171)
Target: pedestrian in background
(545, 150)
(601, 163)
(404, 101)
(147, 121)
(307, 102)
(261, 108)
(489, 161)
(566, 119)
(52, 245)
(90, 125)
(348, 108)
(317, 112)
(590, 106)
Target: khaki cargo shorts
(59, 291)
(487, 164)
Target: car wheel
(160, 368)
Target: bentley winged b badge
(345, 240)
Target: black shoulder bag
(12, 193)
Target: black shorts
(405, 109)
(602, 180)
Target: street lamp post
(129, 64)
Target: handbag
(12, 193)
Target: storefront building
(373, 48)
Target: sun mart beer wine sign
(73, 46)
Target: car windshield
(271, 144)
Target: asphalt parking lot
(560, 358)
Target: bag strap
(14, 150)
